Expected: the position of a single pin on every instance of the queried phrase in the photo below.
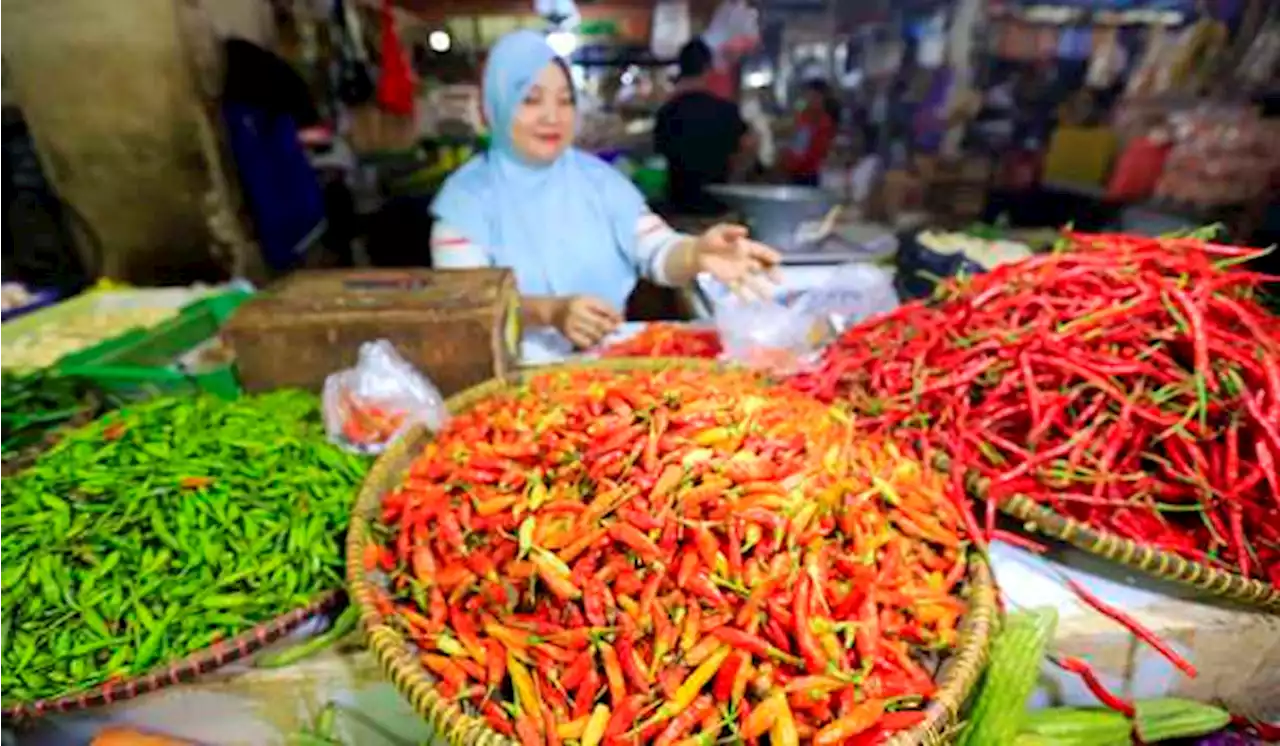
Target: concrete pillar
(108, 91)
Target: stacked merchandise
(1223, 155)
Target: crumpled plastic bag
(783, 334)
(368, 406)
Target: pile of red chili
(673, 557)
(667, 340)
(1132, 383)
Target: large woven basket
(1167, 566)
(397, 657)
(198, 663)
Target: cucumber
(1010, 678)
(1071, 726)
(1161, 719)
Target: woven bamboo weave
(197, 664)
(1158, 563)
(398, 660)
(1167, 566)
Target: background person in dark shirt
(700, 134)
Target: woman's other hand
(585, 320)
(747, 267)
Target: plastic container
(39, 299)
(43, 338)
(652, 182)
(167, 358)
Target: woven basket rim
(1251, 593)
(958, 677)
(12, 463)
(189, 667)
(1157, 563)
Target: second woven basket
(399, 657)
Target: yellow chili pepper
(526, 694)
(496, 505)
(629, 605)
(574, 728)
(763, 717)
(713, 436)
(692, 628)
(688, 691)
(740, 681)
(594, 732)
(783, 732)
(557, 577)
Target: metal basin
(774, 212)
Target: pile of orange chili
(673, 557)
(667, 340)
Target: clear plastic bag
(762, 334)
(782, 334)
(370, 405)
(853, 292)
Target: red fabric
(1137, 170)
(822, 131)
(395, 85)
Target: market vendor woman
(574, 231)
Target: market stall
(1137, 519)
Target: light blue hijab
(564, 228)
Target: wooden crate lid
(441, 294)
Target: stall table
(1236, 651)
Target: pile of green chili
(159, 529)
(37, 404)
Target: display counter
(1237, 653)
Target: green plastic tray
(72, 311)
(145, 362)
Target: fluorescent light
(563, 43)
(439, 41)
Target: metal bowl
(775, 212)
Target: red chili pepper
(1139, 631)
(527, 732)
(639, 543)
(1018, 540)
(728, 675)
(753, 644)
(814, 657)
(497, 718)
(700, 584)
(682, 724)
(631, 667)
(613, 674)
(624, 715)
(584, 696)
(1095, 685)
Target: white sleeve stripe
(451, 249)
(654, 241)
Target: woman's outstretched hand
(747, 267)
(585, 320)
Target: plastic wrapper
(781, 334)
(1222, 155)
(370, 405)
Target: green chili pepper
(115, 562)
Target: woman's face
(543, 125)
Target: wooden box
(459, 327)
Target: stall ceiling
(439, 9)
